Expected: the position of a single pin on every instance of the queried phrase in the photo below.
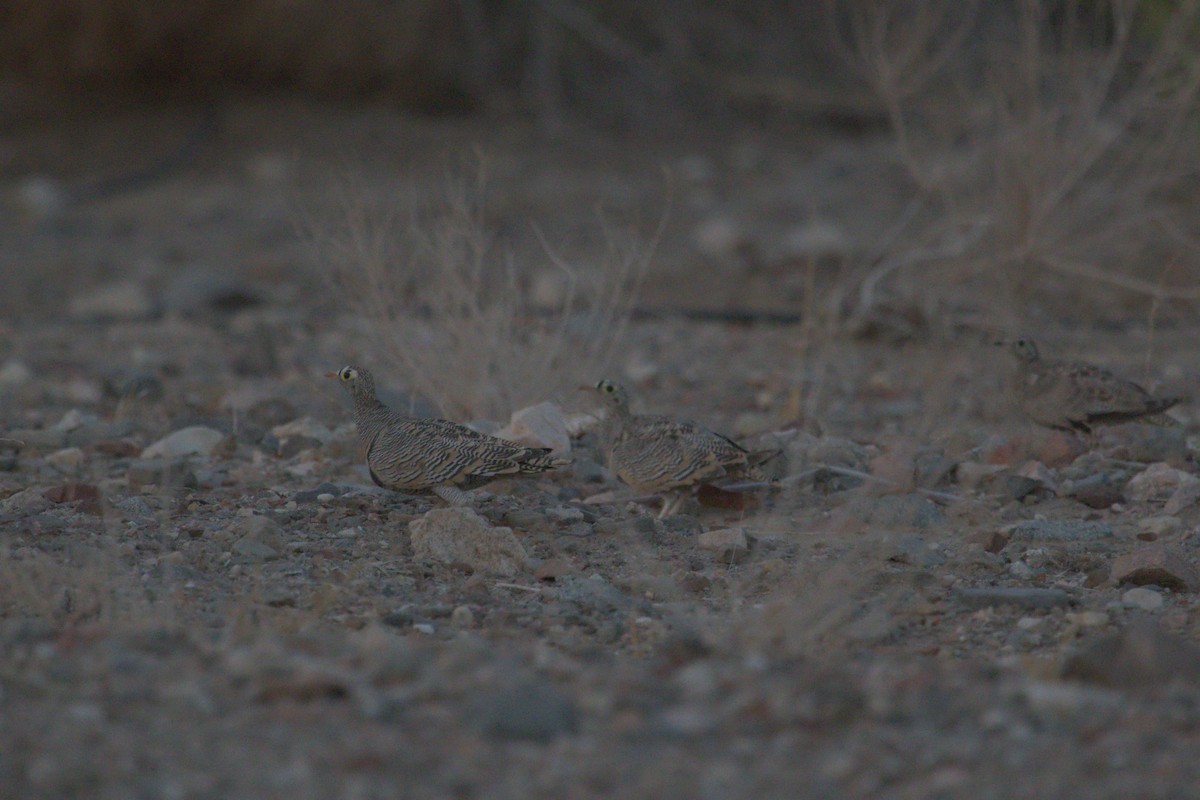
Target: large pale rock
(542, 425)
(1156, 564)
(459, 535)
(195, 440)
(1158, 481)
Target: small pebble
(1144, 598)
(67, 459)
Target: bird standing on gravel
(653, 453)
(1075, 396)
(418, 454)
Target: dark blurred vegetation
(614, 59)
(1039, 143)
(611, 58)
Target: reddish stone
(70, 492)
(991, 540)
(1058, 448)
(1004, 453)
(118, 448)
(1052, 448)
(716, 497)
(1156, 564)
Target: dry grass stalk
(1059, 140)
(456, 316)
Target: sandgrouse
(660, 454)
(1075, 396)
(419, 454)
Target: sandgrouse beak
(331, 374)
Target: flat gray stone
(728, 545)
(164, 472)
(460, 535)
(253, 550)
(593, 594)
(1020, 596)
(1059, 530)
(914, 550)
(191, 441)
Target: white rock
(640, 367)
(580, 422)
(729, 544)
(565, 514)
(121, 300)
(14, 374)
(69, 458)
(1144, 598)
(1019, 569)
(1088, 619)
(542, 425)
(194, 440)
(306, 427)
(815, 239)
(42, 196)
(718, 237)
(1071, 701)
(82, 390)
(71, 421)
(459, 535)
(1158, 481)
(1160, 527)
(1187, 495)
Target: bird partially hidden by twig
(424, 454)
(656, 454)
(1076, 396)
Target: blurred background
(879, 163)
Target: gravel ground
(202, 594)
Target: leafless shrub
(405, 50)
(1059, 143)
(463, 323)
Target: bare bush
(457, 316)
(1061, 141)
